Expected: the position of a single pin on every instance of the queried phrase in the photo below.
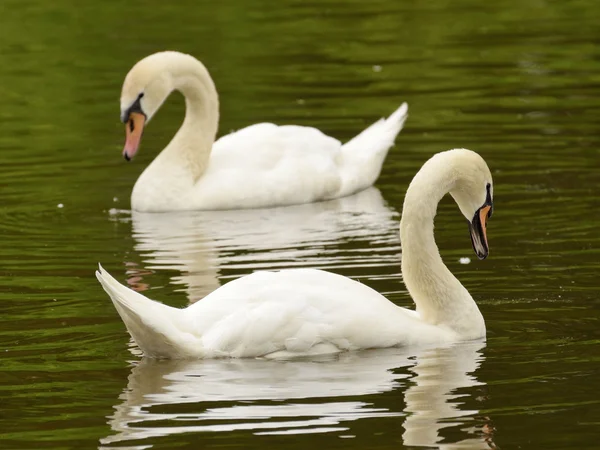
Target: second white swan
(263, 165)
(299, 312)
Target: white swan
(305, 311)
(263, 165)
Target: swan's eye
(488, 200)
(131, 125)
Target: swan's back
(289, 313)
(269, 165)
(266, 164)
(292, 311)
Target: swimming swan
(263, 165)
(300, 312)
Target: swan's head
(145, 88)
(473, 191)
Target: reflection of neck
(186, 157)
(430, 399)
(440, 298)
(178, 242)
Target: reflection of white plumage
(205, 248)
(262, 165)
(305, 312)
(306, 396)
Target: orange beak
(133, 134)
(483, 217)
(478, 230)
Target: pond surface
(517, 81)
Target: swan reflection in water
(208, 246)
(308, 396)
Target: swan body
(263, 165)
(301, 312)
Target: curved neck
(190, 148)
(439, 297)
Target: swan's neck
(439, 297)
(186, 157)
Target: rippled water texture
(517, 81)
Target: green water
(517, 81)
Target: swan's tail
(157, 329)
(364, 154)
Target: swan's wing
(294, 312)
(264, 145)
(268, 165)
